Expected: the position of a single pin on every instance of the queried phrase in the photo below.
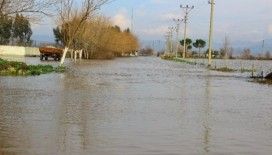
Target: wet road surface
(134, 106)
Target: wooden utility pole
(187, 9)
(167, 37)
(171, 30)
(212, 3)
(177, 21)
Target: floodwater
(135, 106)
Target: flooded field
(238, 64)
(134, 106)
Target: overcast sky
(240, 20)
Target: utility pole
(187, 9)
(167, 37)
(177, 21)
(171, 29)
(212, 3)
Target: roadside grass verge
(13, 68)
(262, 81)
(191, 62)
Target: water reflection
(72, 116)
(207, 108)
(25, 119)
(134, 106)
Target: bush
(168, 57)
(39, 69)
(22, 69)
(224, 69)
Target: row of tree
(225, 52)
(199, 44)
(78, 27)
(15, 15)
(96, 35)
(15, 30)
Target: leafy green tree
(22, 30)
(5, 29)
(215, 53)
(199, 43)
(58, 35)
(188, 43)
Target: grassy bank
(13, 68)
(262, 81)
(192, 62)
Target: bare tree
(27, 7)
(246, 54)
(267, 55)
(226, 51)
(73, 20)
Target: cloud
(121, 20)
(154, 31)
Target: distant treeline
(15, 30)
(225, 52)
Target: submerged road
(134, 106)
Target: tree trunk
(63, 55)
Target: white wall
(18, 51)
(32, 51)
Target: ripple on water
(134, 106)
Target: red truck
(52, 52)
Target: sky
(244, 22)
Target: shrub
(19, 68)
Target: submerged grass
(223, 69)
(13, 68)
(262, 81)
(244, 70)
(256, 79)
(190, 62)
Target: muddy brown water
(135, 106)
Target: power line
(187, 9)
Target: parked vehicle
(50, 52)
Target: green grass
(173, 58)
(185, 61)
(262, 81)
(167, 57)
(243, 70)
(13, 68)
(221, 69)
(224, 69)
